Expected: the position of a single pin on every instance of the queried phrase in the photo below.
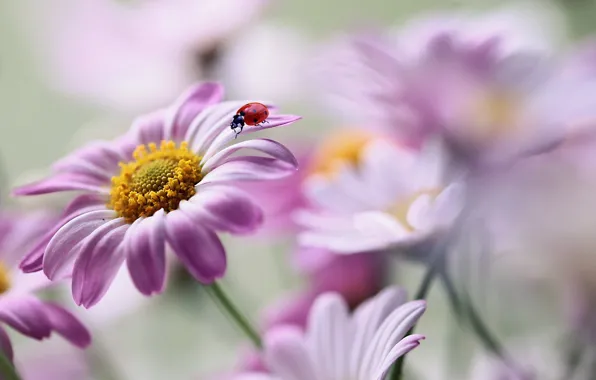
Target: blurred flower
(356, 278)
(276, 69)
(338, 345)
(469, 80)
(389, 195)
(19, 308)
(53, 360)
(134, 56)
(280, 198)
(141, 195)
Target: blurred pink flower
(133, 56)
(54, 360)
(338, 344)
(474, 82)
(393, 196)
(140, 196)
(19, 308)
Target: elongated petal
(101, 256)
(27, 315)
(98, 159)
(403, 347)
(389, 335)
(145, 254)
(189, 105)
(6, 344)
(269, 147)
(287, 356)
(63, 247)
(224, 209)
(67, 325)
(149, 128)
(33, 259)
(207, 126)
(199, 249)
(63, 182)
(368, 318)
(227, 135)
(330, 335)
(249, 169)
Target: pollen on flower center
(4, 278)
(494, 113)
(400, 209)
(158, 178)
(340, 149)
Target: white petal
(329, 337)
(420, 214)
(287, 356)
(367, 319)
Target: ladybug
(249, 114)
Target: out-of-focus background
(183, 334)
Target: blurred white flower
(392, 196)
(132, 56)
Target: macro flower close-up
(169, 180)
(297, 190)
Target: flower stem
(222, 298)
(7, 369)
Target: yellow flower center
(400, 209)
(158, 178)
(342, 148)
(4, 278)
(494, 114)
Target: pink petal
(63, 182)
(287, 356)
(63, 248)
(248, 169)
(98, 159)
(145, 253)
(100, 259)
(33, 259)
(199, 249)
(227, 135)
(67, 325)
(205, 128)
(223, 208)
(189, 105)
(6, 344)
(403, 347)
(27, 315)
(269, 147)
(149, 128)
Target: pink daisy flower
(169, 181)
(338, 345)
(19, 308)
(475, 81)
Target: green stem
(7, 369)
(218, 293)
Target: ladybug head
(241, 113)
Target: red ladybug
(249, 114)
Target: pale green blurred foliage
(174, 338)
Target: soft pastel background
(180, 335)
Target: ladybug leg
(239, 131)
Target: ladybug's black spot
(255, 119)
(254, 111)
(266, 113)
